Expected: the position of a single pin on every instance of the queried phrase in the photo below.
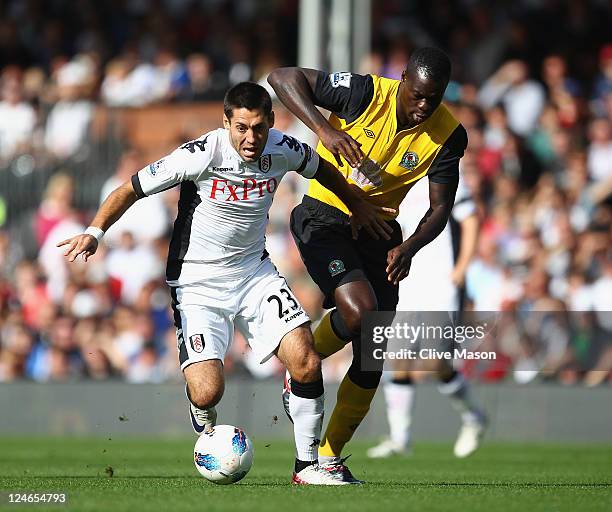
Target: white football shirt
(224, 202)
(428, 286)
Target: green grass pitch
(158, 474)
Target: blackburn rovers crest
(410, 160)
(336, 267)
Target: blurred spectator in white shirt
(133, 266)
(17, 118)
(147, 219)
(68, 122)
(522, 97)
(599, 154)
(128, 82)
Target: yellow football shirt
(395, 160)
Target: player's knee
(353, 313)
(308, 369)
(204, 397)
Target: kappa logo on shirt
(222, 169)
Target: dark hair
(430, 62)
(247, 95)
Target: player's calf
(204, 389)
(305, 401)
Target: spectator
(599, 155)
(128, 82)
(205, 84)
(537, 164)
(142, 212)
(68, 122)
(133, 266)
(17, 117)
(523, 98)
(603, 82)
(55, 207)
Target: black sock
(301, 464)
(446, 380)
(404, 381)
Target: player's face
(419, 96)
(248, 130)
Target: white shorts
(261, 306)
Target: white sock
(457, 390)
(307, 416)
(400, 401)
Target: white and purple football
(224, 454)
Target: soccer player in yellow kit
(383, 135)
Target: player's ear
(226, 122)
(271, 119)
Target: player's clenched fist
(84, 244)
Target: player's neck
(403, 122)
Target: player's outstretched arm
(364, 214)
(441, 200)
(295, 88)
(115, 205)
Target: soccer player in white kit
(434, 284)
(218, 270)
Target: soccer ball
(223, 455)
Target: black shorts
(332, 258)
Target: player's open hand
(83, 244)
(342, 144)
(368, 216)
(399, 260)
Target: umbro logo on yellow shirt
(369, 133)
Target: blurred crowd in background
(532, 84)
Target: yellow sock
(352, 404)
(326, 340)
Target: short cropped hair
(431, 63)
(247, 95)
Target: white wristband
(97, 233)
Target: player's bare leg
(306, 405)
(204, 389)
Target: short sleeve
(186, 163)
(310, 163)
(300, 156)
(345, 94)
(445, 167)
